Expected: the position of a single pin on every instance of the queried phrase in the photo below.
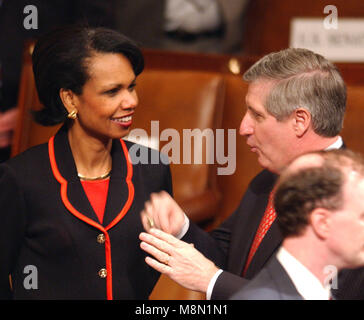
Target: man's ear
(320, 222)
(69, 99)
(301, 121)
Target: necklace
(104, 176)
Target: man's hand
(178, 260)
(163, 213)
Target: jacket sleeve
(226, 285)
(12, 217)
(215, 244)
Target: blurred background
(233, 27)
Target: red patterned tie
(265, 223)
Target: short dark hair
(299, 192)
(303, 192)
(59, 61)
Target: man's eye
(255, 115)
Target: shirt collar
(336, 145)
(308, 286)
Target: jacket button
(102, 273)
(101, 238)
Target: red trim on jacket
(91, 222)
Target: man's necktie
(265, 223)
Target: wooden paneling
(268, 21)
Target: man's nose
(246, 126)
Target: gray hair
(304, 79)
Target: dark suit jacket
(233, 239)
(57, 233)
(271, 283)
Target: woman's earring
(72, 115)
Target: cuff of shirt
(186, 225)
(212, 284)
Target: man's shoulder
(263, 182)
(260, 288)
(258, 190)
(271, 283)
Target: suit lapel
(118, 189)
(121, 190)
(67, 168)
(282, 281)
(267, 248)
(240, 252)
(261, 188)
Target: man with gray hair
(295, 104)
(320, 213)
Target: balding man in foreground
(320, 212)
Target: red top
(96, 192)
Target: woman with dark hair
(70, 209)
